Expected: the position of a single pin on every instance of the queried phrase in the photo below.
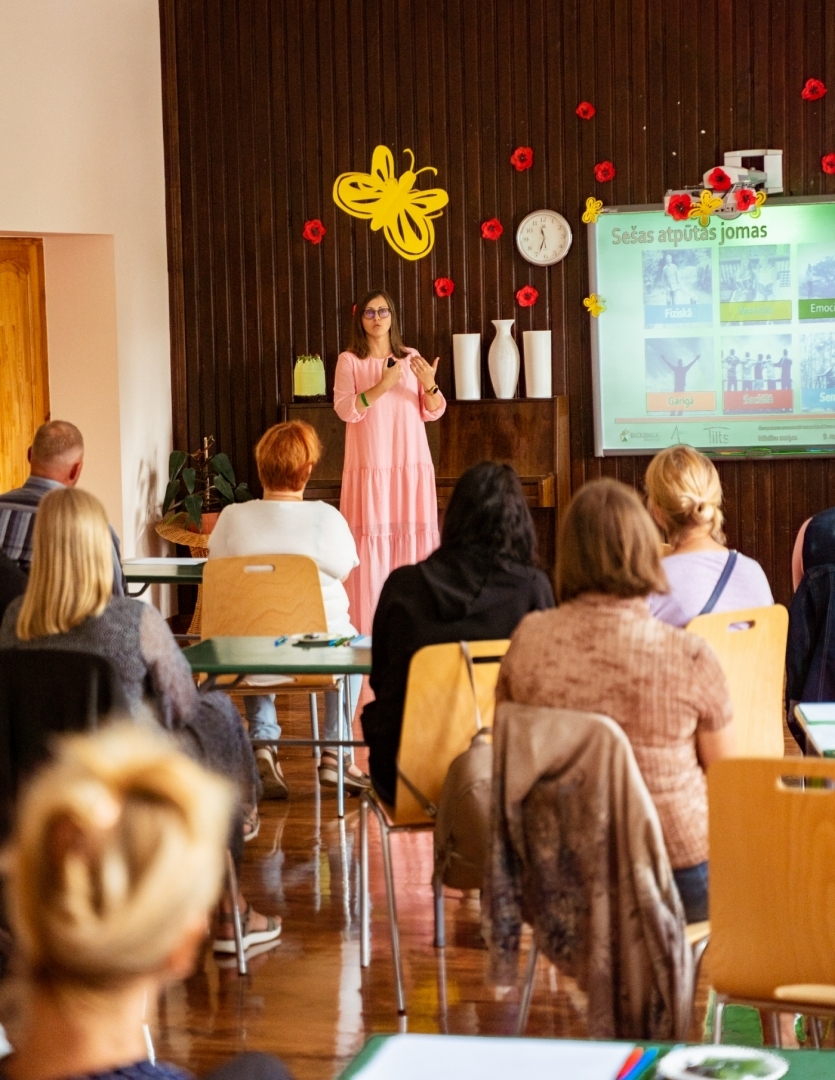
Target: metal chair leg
(527, 991)
(340, 756)
(236, 913)
(392, 910)
(440, 923)
(774, 1024)
(718, 1013)
(365, 900)
(815, 1028)
(443, 1015)
(314, 723)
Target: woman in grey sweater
(69, 604)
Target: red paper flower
(492, 229)
(444, 286)
(828, 163)
(719, 180)
(604, 171)
(813, 90)
(521, 158)
(745, 198)
(585, 110)
(527, 296)
(314, 231)
(679, 206)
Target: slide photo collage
(775, 325)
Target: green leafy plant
(202, 488)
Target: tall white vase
(466, 356)
(503, 360)
(537, 363)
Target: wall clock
(543, 237)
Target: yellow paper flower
(761, 197)
(592, 211)
(595, 304)
(707, 204)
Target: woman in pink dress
(388, 480)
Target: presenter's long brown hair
(358, 344)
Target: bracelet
(364, 400)
(433, 389)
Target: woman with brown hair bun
(385, 391)
(602, 651)
(684, 497)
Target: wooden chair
(266, 595)
(438, 725)
(751, 647)
(772, 882)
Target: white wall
(82, 153)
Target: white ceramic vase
(466, 357)
(503, 360)
(537, 345)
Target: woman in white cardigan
(284, 523)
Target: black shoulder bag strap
(727, 570)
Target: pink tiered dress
(388, 479)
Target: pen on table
(340, 641)
(642, 1064)
(634, 1057)
(281, 640)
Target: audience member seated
(477, 586)
(815, 544)
(56, 458)
(810, 648)
(601, 651)
(12, 583)
(117, 858)
(684, 496)
(284, 523)
(68, 605)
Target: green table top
(803, 1064)
(163, 571)
(261, 656)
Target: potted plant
(200, 491)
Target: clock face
(544, 237)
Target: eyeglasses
(369, 313)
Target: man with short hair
(56, 458)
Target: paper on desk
(470, 1057)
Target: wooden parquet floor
(308, 1001)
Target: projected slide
(722, 337)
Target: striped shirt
(18, 509)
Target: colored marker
(642, 1064)
(281, 640)
(631, 1061)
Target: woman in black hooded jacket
(477, 586)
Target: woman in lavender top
(685, 500)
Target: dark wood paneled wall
(267, 101)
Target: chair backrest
(772, 876)
(261, 595)
(43, 693)
(751, 647)
(439, 719)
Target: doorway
(24, 379)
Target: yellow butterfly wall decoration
(390, 203)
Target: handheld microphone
(391, 362)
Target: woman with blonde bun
(117, 858)
(68, 604)
(684, 496)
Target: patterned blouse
(662, 685)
